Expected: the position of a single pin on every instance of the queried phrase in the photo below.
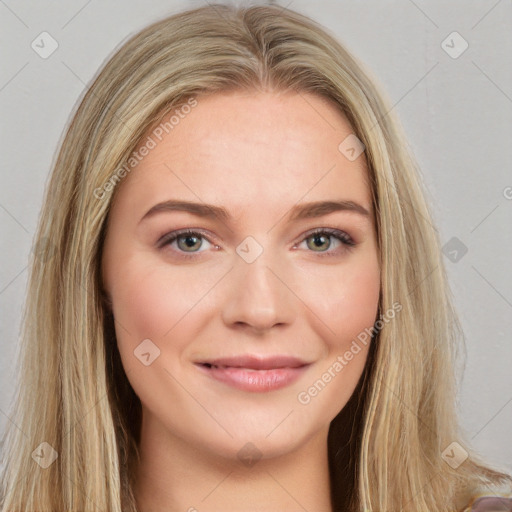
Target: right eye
(185, 239)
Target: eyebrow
(297, 212)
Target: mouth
(252, 373)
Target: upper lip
(256, 363)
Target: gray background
(457, 113)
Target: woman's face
(243, 331)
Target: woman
(256, 372)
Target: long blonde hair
(73, 393)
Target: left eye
(188, 240)
(319, 236)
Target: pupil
(191, 239)
(317, 239)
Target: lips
(256, 363)
(253, 373)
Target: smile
(250, 373)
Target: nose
(259, 296)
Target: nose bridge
(257, 296)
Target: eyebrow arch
(298, 212)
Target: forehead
(244, 149)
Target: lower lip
(254, 380)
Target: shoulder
(488, 503)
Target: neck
(174, 476)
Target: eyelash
(343, 237)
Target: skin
(257, 155)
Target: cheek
(147, 302)
(345, 300)
(358, 303)
(152, 300)
(347, 306)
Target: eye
(320, 238)
(187, 241)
